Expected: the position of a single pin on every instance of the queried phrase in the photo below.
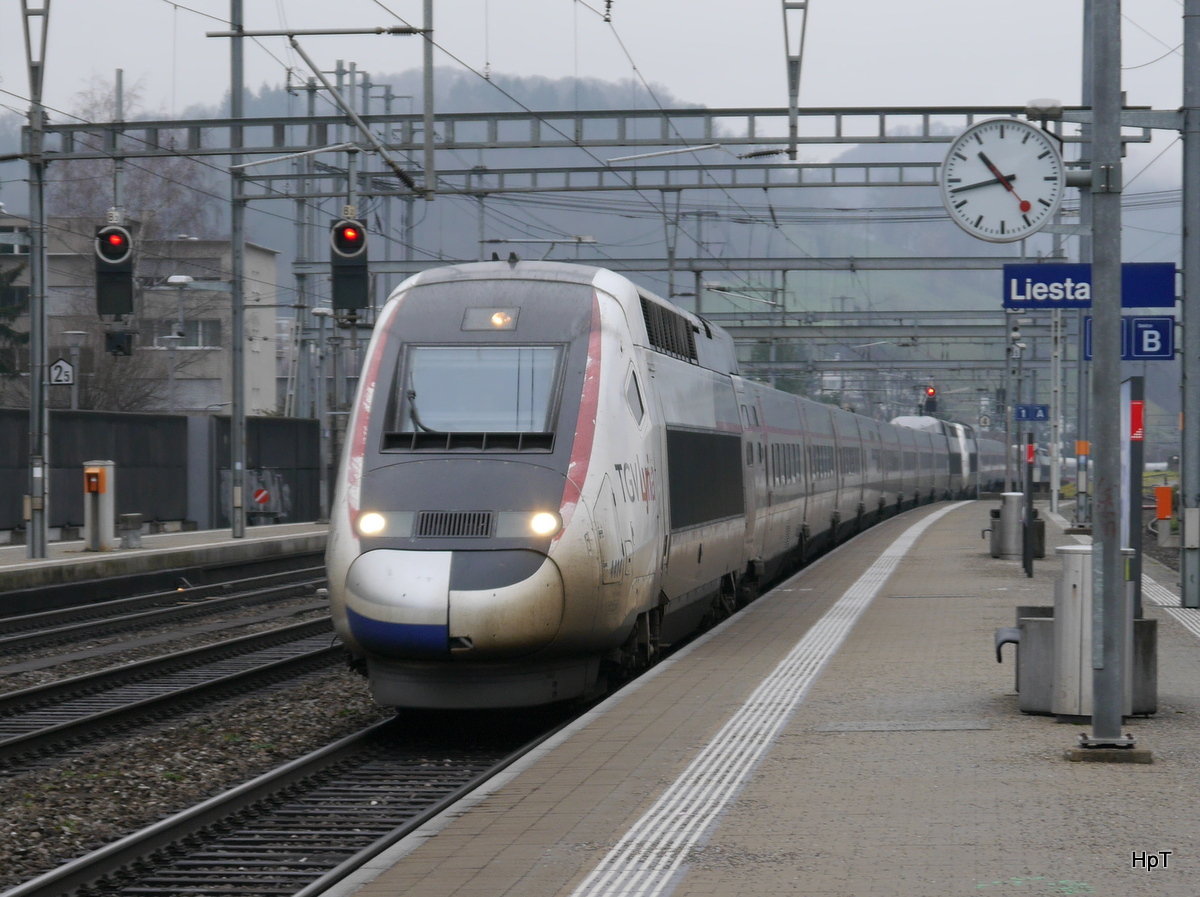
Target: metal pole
(1083, 510)
(1133, 526)
(430, 168)
(322, 417)
(1009, 349)
(118, 160)
(39, 413)
(299, 404)
(1055, 403)
(171, 341)
(1027, 529)
(307, 236)
(75, 379)
(1189, 460)
(237, 416)
(1108, 580)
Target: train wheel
(649, 630)
(747, 591)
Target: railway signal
(930, 399)
(114, 270)
(348, 264)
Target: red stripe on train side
(585, 426)
(362, 414)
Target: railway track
(302, 827)
(206, 579)
(36, 720)
(89, 621)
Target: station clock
(1002, 180)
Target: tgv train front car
(457, 528)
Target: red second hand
(1025, 205)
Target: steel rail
(229, 817)
(171, 700)
(120, 854)
(199, 580)
(143, 618)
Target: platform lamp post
(172, 341)
(181, 281)
(75, 339)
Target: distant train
(551, 474)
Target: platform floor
(894, 762)
(68, 561)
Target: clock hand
(996, 180)
(1024, 204)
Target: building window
(204, 333)
(12, 248)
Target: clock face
(1002, 180)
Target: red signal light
(349, 239)
(113, 245)
(930, 391)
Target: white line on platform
(652, 853)
(1188, 617)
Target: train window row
(786, 464)
(821, 461)
(851, 461)
(787, 461)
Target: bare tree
(11, 338)
(169, 195)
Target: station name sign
(1060, 285)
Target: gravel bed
(52, 815)
(16, 681)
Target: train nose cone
(503, 603)
(477, 605)
(398, 602)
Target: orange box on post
(94, 480)
(1162, 502)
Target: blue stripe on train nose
(400, 641)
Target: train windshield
(477, 389)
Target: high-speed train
(550, 474)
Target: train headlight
(371, 524)
(545, 523)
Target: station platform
(849, 734)
(68, 561)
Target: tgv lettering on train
(637, 481)
(1068, 290)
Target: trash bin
(1006, 526)
(1072, 690)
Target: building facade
(181, 325)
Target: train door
(755, 481)
(609, 538)
(853, 464)
(802, 464)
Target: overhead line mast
(37, 19)
(794, 10)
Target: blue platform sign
(1031, 412)
(1143, 338)
(1050, 286)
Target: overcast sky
(858, 52)
(720, 54)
